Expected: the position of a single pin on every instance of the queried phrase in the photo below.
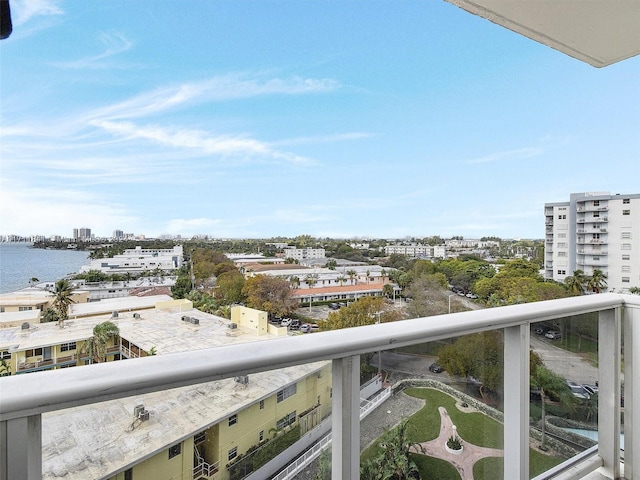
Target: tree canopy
(479, 356)
(271, 294)
(364, 311)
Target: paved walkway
(464, 461)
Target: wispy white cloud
(203, 141)
(219, 88)
(24, 10)
(115, 43)
(509, 155)
(338, 137)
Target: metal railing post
(516, 401)
(21, 448)
(609, 390)
(631, 392)
(345, 423)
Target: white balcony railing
(24, 398)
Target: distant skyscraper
(118, 234)
(594, 231)
(82, 234)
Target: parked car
(591, 389)
(553, 335)
(436, 368)
(578, 390)
(334, 306)
(285, 322)
(305, 328)
(294, 324)
(472, 295)
(539, 330)
(314, 327)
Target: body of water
(592, 434)
(19, 263)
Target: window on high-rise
(625, 246)
(233, 419)
(626, 212)
(625, 235)
(596, 214)
(626, 201)
(626, 279)
(596, 203)
(626, 268)
(626, 257)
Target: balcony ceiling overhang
(598, 32)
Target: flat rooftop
(100, 440)
(163, 329)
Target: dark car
(334, 306)
(436, 368)
(539, 330)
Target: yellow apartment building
(203, 431)
(33, 298)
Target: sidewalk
(387, 415)
(463, 462)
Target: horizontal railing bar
(41, 392)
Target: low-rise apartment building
(139, 260)
(191, 432)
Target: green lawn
(474, 427)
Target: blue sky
(265, 118)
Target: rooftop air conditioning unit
(243, 380)
(25, 326)
(141, 413)
(136, 315)
(195, 321)
(114, 314)
(186, 319)
(233, 326)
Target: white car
(305, 328)
(578, 390)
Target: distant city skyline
(260, 119)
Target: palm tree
(311, 280)
(352, 274)
(552, 384)
(341, 279)
(5, 368)
(62, 301)
(383, 273)
(33, 281)
(575, 283)
(96, 346)
(394, 461)
(597, 281)
(368, 274)
(295, 281)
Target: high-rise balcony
(25, 398)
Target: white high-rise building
(592, 231)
